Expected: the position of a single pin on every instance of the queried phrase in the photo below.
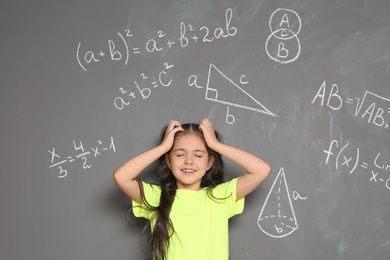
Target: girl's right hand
(169, 136)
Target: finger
(201, 125)
(173, 124)
(206, 124)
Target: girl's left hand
(208, 132)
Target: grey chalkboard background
(304, 84)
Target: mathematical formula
(84, 155)
(348, 157)
(161, 43)
(145, 85)
(143, 89)
(282, 45)
(372, 108)
(284, 24)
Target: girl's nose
(188, 161)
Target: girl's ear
(211, 161)
(168, 160)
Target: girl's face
(189, 161)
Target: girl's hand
(208, 132)
(169, 136)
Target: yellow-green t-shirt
(200, 221)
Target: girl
(189, 210)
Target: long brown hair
(164, 228)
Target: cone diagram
(277, 218)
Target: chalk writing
(207, 35)
(372, 108)
(126, 96)
(119, 50)
(220, 94)
(277, 218)
(283, 44)
(345, 156)
(115, 54)
(83, 154)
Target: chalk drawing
(277, 218)
(83, 154)
(144, 87)
(121, 48)
(219, 88)
(372, 108)
(283, 44)
(346, 156)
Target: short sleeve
(228, 190)
(152, 195)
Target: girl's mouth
(188, 171)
